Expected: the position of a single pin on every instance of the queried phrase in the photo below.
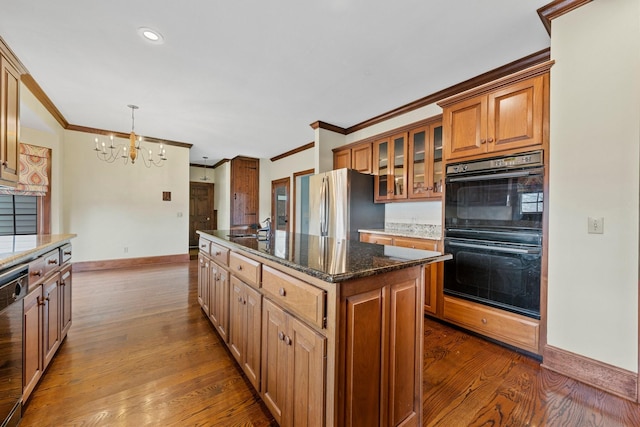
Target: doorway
(202, 216)
(301, 200)
(280, 204)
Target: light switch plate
(595, 225)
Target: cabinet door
(398, 158)
(32, 357)
(362, 363)
(65, 301)
(219, 305)
(361, 158)
(305, 374)
(9, 121)
(342, 159)
(253, 335)
(203, 282)
(515, 115)
(465, 127)
(419, 169)
(236, 315)
(435, 145)
(274, 359)
(51, 316)
(382, 169)
(432, 274)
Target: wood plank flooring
(141, 353)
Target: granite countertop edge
(328, 277)
(44, 243)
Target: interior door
(201, 213)
(280, 204)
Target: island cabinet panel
(245, 307)
(203, 282)
(65, 300)
(219, 299)
(294, 365)
(33, 368)
(51, 316)
(381, 351)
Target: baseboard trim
(609, 378)
(129, 262)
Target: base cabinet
(33, 325)
(245, 309)
(203, 282)
(51, 316)
(218, 293)
(293, 374)
(382, 363)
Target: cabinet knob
(282, 292)
(40, 302)
(37, 273)
(490, 140)
(281, 336)
(483, 141)
(218, 253)
(5, 163)
(287, 340)
(239, 268)
(484, 321)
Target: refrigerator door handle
(323, 208)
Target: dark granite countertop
(18, 249)
(328, 259)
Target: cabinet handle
(281, 336)
(67, 253)
(46, 299)
(483, 141)
(218, 253)
(203, 246)
(63, 284)
(40, 302)
(37, 273)
(239, 268)
(244, 302)
(5, 163)
(282, 292)
(484, 321)
(490, 139)
(52, 261)
(287, 340)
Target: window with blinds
(18, 214)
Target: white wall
(114, 206)
(594, 138)
(197, 174)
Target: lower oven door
(502, 275)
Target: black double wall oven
(493, 228)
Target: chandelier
(204, 175)
(110, 153)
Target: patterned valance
(33, 179)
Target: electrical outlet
(126, 249)
(595, 225)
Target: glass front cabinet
(408, 165)
(425, 178)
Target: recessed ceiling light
(150, 35)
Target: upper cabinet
(9, 122)
(508, 114)
(390, 167)
(357, 157)
(425, 161)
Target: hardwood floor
(141, 353)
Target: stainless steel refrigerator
(338, 203)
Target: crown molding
(294, 151)
(6, 51)
(328, 126)
(126, 136)
(558, 8)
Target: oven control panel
(521, 160)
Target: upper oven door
(510, 199)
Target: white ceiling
(247, 77)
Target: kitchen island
(329, 332)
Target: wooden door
(32, 341)
(305, 375)
(280, 197)
(274, 359)
(201, 213)
(50, 314)
(9, 121)
(253, 335)
(515, 115)
(65, 300)
(465, 128)
(245, 176)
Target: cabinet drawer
(510, 328)
(36, 272)
(51, 261)
(65, 253)
(204, 245)
(376, 238)
(220, 254)
(408, 242)
(245, 268)
(300, 297)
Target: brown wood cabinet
(425, 178)
(203, 282)
(218, 292)
(47, 313)
(356, 157)
(245, 187)
(9, 122)
(293, 375)
(245, 307)
(390, 167)
(509, 114)
(381, 373)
